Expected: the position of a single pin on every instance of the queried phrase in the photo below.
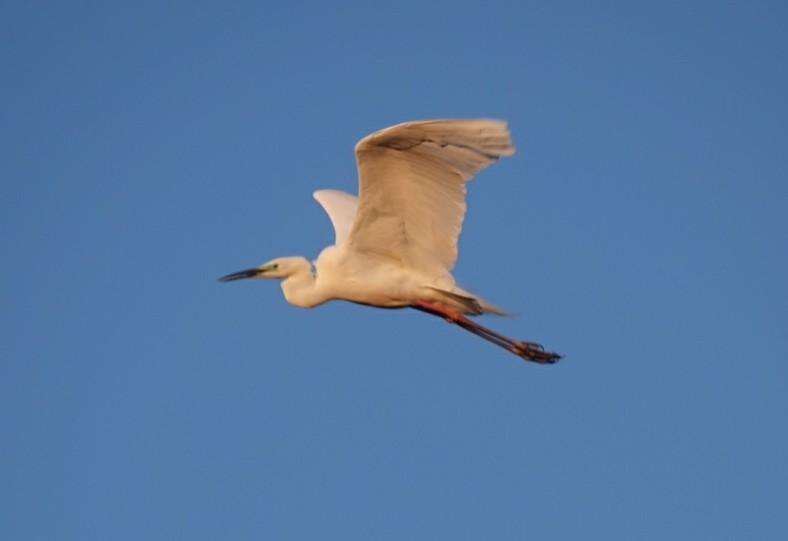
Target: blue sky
(641, 230)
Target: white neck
(300, 286)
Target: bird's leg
(530, 351)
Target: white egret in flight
(396, 243)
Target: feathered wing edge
(412, 185)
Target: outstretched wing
(341, 209)
(412, 187)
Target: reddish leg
(529, 351)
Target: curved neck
(300, 286)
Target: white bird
(396, 243)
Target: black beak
(248, 273)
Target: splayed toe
(531, 351)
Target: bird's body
(342, 274)
(396, 243)
(337, 276)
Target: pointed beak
(248, 273)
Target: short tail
(492, 309)
(467, 303)
(487, 307)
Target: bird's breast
(368, 282)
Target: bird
(396, 242)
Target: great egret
(397, 241)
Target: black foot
(531, 351)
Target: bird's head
(281, 267)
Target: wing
(341, 210)
(412, 187)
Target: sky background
(641, 230)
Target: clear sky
(641, 230)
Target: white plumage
(396, 243)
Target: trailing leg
(530, 351)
